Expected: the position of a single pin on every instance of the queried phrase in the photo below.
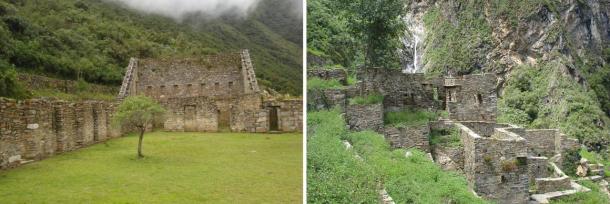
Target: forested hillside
(550, 57)
(94, 39)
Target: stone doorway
(273, 118)
(190, 122)
(224, 117)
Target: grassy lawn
(178, 168)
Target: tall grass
(373, 98)
(409, 117)
(334, 176)
(315, 83)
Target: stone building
(210, 93)
(501, 162)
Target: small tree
(138, 112)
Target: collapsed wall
(37, 128)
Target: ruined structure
(210, 93)
(40, 128)
(501, 162)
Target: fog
(177, 9)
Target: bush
(374, 98)
(445, 137)
(9, 85)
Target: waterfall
(413, 41)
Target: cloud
(177, 9)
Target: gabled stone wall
(36, 129)
(193, 114)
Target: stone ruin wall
(365, 117)
(401, 90)
(326, 99)
(36, 82)
(290, 114)
(329, 74)
(190, 114)
(413, 136)
(36, 129)
(471, 97)
(213, 76)
(488, 164)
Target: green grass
(373, 98)
(315, 83)
(85, 95)
(445, 137)
(178, 168)
(409, 117)
(339, 178)
(334, 175)
(595, 157)
(594, 196)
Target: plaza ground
(177, 168)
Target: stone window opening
(503, 179)
(162, 87)
(478, 99)
(230, 84)
(216, 85)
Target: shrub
(373, 98)
(509, 165)
(445, 137)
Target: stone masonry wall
(541, 142)
(537, 168)
(363, 117)
(194, 114)
(36, 129)
(36, 82)
(409, 136)
(401, 90)
(328, 74)
(496, 166)
(545, 185)
(325, 99)
(213, 76)
(290, 114)
(471, 97)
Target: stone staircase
(251, 77)
(124, 91)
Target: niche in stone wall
(273, 118)
(190, 123)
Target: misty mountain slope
(94, 39)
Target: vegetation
(592, 197)
(315, 83)
(9, 86)
(336, 176)
(138, 112)
(409, 117)
(180, 168)
(353, 33)
(93, 40)
(543, 97)
(78, 96)
(450, 45)
(445, 137)
(371, 98)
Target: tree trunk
(140, 155)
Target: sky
(178, 8)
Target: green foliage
(9, 86)
(198, 166)
(543, 97)
(409, 117)
(80, 96)
(138, 111)
(334, 175)
(315, 83)
(457, 46)
(413, 179)
(445, 137)
(371, 98)
(82, 85)
(379, 25)
(592, 197)
(94, 40)
(328, 36)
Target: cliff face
(550, 56)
